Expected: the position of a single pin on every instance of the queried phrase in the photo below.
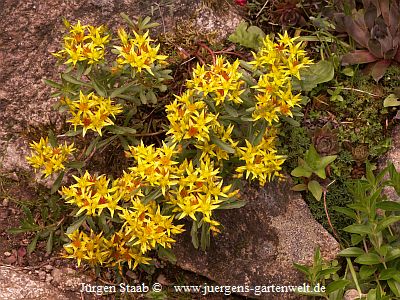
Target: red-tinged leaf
(397, 56)
(357, 28)
(358, 57)
(379, 69)
(384, 7)
(394, 16)
(375, 47)
(21, 252)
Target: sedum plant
(311, 169)
(223, 124)
(374, 28)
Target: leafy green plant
(323, 274)
(312, 167)
(375, 244)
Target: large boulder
(260, 242)
(30, 30)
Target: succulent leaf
(358, 57)
(379, 69)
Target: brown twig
(328, 217)
(202, 45)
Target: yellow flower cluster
(92, 112)
(146, 227)
(199, 191)
(190, 118)
(279, 62)
(91, 194)
(261, 161)
(143, 229)
(137, 52)
(83, 43)
(188, 189)
(49, 158)
(221, 80)
(96, 249)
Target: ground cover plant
(299, 101)
(223, 123)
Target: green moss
(337, 195)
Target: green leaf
(366, 271)
(350, 252)
(346, 211)
(358, 228)
(205, 236)
(315, 188)
(74, 226)
(121, 130)
(194, 234)
(235, 203)
(73, 80)
(387, 222)
(388, 205)
(326, 160)
(320, 173)
(221, 144)
(337, 285)
(75, 164)
(299, 187)
(301, 172)
(32, 245)
(247, 36)
(92, 145)
(71, 133)
(57, 183)
(388, 273)
(348, 71)
(167, 254)
(368, 259)
(52, 138)
(53, 84)
(231, 110)
(49, 244)
(394, 287)
(122, 89)
(391, 100)
(392, 254)
(322, 71)
(100, 89)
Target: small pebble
(5, 202)
(49, 278)
(7, 253)
(48, 267)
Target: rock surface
(260, 242)
(16, 285)
(30, 30)
(393, 155)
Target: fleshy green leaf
(391, 100)
(315, 188)
(247, 36)
(301, 172)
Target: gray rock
(260, 242)
(393, 155)
(16, 285)
(31, 30)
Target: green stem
(354, 275)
